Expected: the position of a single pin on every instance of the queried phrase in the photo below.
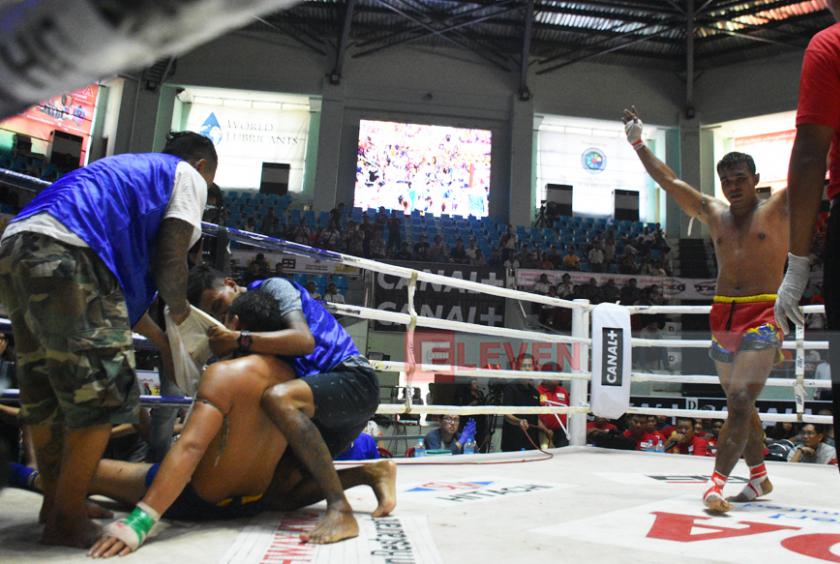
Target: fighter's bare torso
(750, 247)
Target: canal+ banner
(441, 301)
(611, 360)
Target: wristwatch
(244, 341)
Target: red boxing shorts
(743, 323)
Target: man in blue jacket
(79, 266)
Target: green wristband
(141, 523)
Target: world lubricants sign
(440, 301)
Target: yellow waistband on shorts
(243, 500)
(744, 299)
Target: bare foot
(716, 504)
(383, 480)
(749, 494)
(78, 533)
(336, 525)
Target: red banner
(71, 113)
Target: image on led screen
(428, 168)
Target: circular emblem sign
(594, 160)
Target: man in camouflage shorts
(79, 267)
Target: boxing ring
(559, 505)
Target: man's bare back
(243, 461)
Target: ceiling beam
(527, 32)
(343, 38)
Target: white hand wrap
(633, 130)
(136, 528)
(790, 292)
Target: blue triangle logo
(212, 129)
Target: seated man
(224, 462)
(444, 436)
(684, 440)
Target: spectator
(555, 257)
(472, 248)
(313, 290)
(394, 234)
(333, 295)
(459, 253)
(520, 432)
(598, 426)
(552, 394)
(507, 242)
(404, 253)
(421, 249)
(444, 436)
(643, 431)
(610, 292)
(596, 258)
(566, 289)
(438, 250)
(783, 431)
(478, 259)
(823, 372)
(684, 441)
(713, 436)
(542, 284)
(377, 246)
(629, 293)
(812, 449)
(269, 223)
(545, 261)
(355, 239)
(571, 261)
(330, 238)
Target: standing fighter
(79, 266)
(817, 130)
(751, 241)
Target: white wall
(454, 87)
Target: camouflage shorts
(75, 361)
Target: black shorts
(346, 398)
(189, 506)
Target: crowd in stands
(573, 244)
(20, 158)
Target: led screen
(427, 168)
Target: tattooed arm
(170, 266)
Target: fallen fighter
(224, 462)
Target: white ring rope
(271, 243)
(704, 344)
(710, 379)
(466, 410)
(459, 326)
(452, 370)
(709, 414)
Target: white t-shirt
(336, 298)
(189, 196)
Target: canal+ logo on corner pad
(612, 353)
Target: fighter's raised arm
(690, 200)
